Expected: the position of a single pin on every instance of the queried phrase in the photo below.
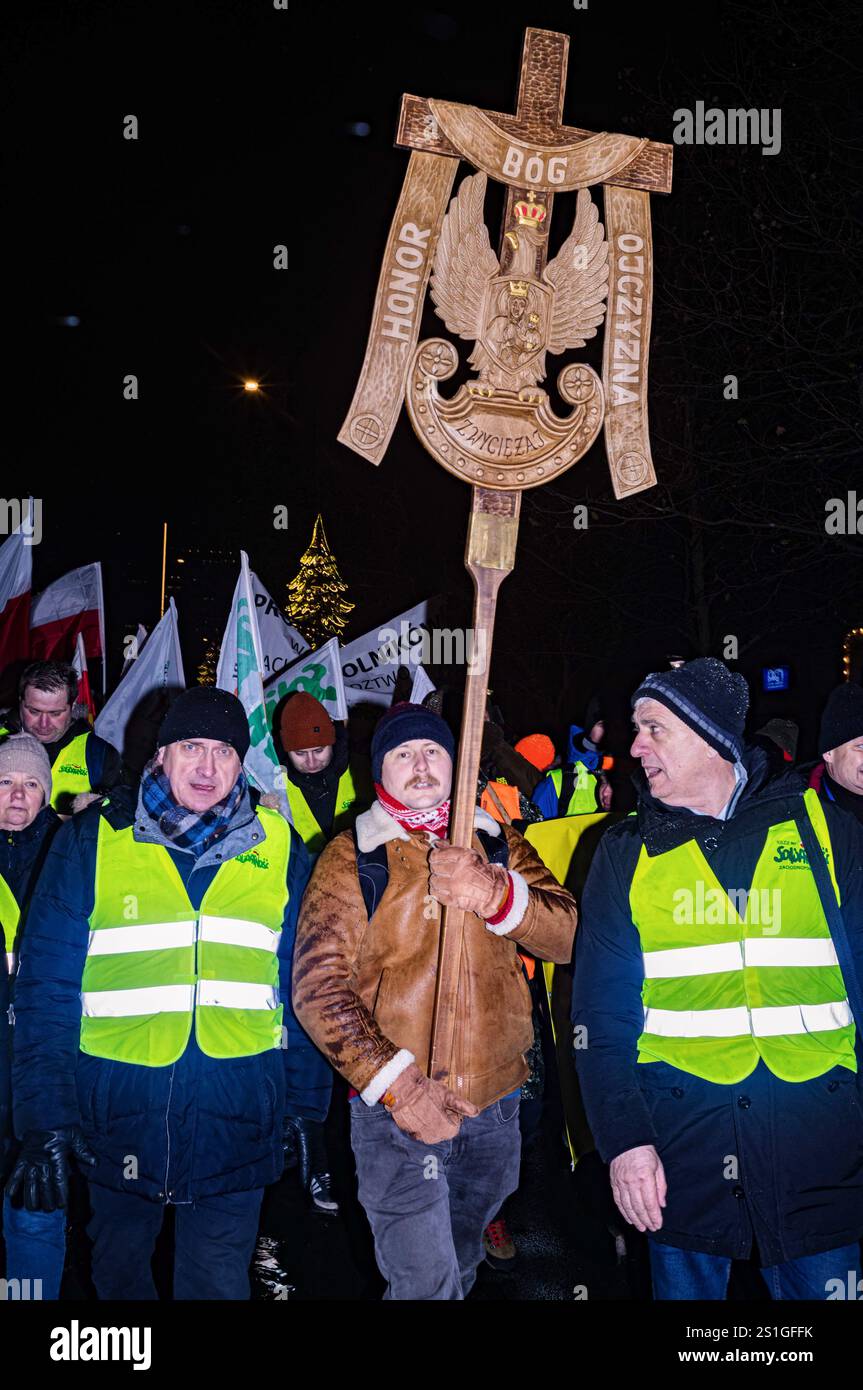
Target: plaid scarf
(436, 818)
(184, 828)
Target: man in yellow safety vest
(320, 783)
(80, 760)
(153, 1041)
(717, 1004)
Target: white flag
(280, 643)
(319, 673)
(261, 764)
(370, 664)
(421, 687)
(139, 640)
(131, 717)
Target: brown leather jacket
(364, 991)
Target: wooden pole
(164, 558)
(489, 558)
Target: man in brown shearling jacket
(435, 1159)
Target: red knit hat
(538, 749)
(305, 724)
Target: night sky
(248, 138)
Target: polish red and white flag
(73, 604)
(84, 697)
(16, 583)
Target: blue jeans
(214, 1240)
(689, 1274)
(428, 1204)
(35, 1246)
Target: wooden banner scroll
(398, 308)
(555, 168)
(418, 130)
(627, 340)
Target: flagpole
(164, 557)
(102, 630)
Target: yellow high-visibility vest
(69, 775)
(156, 966)
(304, 821)
(9, 917)
(583, 799)
(725, 986)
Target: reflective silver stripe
(153, 936)
(734, 1023)
(693, 960)
(130, 1003)
(732, 955)
(237, 931)
(697, 1023)
(235, 994)
(789, 950)
(800, 1018)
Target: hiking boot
(321, 1192)
(499, 1247)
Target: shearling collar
(375, 827)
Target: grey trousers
(428, 1204)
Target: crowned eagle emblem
(514, 316)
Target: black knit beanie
(708, 697)
(403, 722)
(842, 719)
(205, 712)
(593, 713)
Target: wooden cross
(537, 121)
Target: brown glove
(462, 878)
(424, 1109)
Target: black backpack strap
(373, 872)
(567, 787)
(495, 846)
(835, 921)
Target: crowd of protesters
(187, 972)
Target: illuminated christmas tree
(206, 669)
(316, 595)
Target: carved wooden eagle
(477, 300)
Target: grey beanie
(24, 753)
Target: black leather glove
(296, 1142)
(40, 1178)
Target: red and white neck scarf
(435, 818)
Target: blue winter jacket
(193, 1129)
(769, 1162)
(545, 797)
(21, 854)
